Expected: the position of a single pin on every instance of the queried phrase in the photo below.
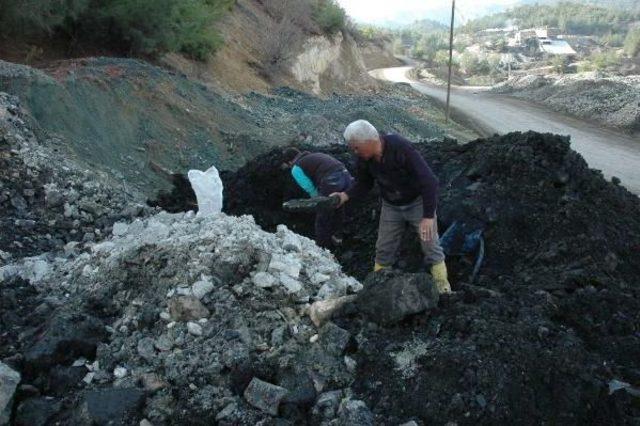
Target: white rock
(202, 288)
(352, 284)
(332, 289)
(184, 291)
(119, 372)
(165, 315)
(292, 285)
(194, 328)
(319, 278)
(120, 229)
(289, 264)
(350, 363)
(88, 378)
(291, 242)
(264, 280)
(314, 338)
(79, 362)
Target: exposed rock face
(327, 63)
(378, 53)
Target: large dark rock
(112, 406)
(265, 396)
(389, 296)
(334, 339)
(37, 411)
(354, 413)
(63, 339)
(62, 379)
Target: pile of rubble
(612, 100)
(182, 319)
(47, 200)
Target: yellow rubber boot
(378, 267)
(439, 274)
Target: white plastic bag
(208, 188)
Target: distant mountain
(403, 19)
(591, 17)
(428, 25)
(629, 5)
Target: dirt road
(615, 153)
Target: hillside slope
(124, 116)
(311, 60)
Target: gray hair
(360, 131)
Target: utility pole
(453, 11)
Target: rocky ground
(613, 101)
(145, 317)
(548, 332)
(47, 201)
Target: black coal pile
(46, 200)
(549, 329)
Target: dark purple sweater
(402, 175)
(317, 165)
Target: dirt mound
(554, 316)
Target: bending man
(409, 191)
(320, 174)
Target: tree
(428, 46)
(149, 27)
(560, 64)
(632, 43)
(330, 16)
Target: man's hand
(343, 197)
(426, 229)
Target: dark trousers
(330, 221)
(393, 220)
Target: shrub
(473, 65)
(140, 26)
(330, 16)
(632, 43)
(600, 61)
(38, 17)
(560, 64)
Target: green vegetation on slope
(632, 43)
(329, 16)
(147, 27)
(570, 17)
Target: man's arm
(303, 181)
(427, 180)
(363, 184)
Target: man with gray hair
(409, 191)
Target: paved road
(615, 153)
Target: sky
(381, 12)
